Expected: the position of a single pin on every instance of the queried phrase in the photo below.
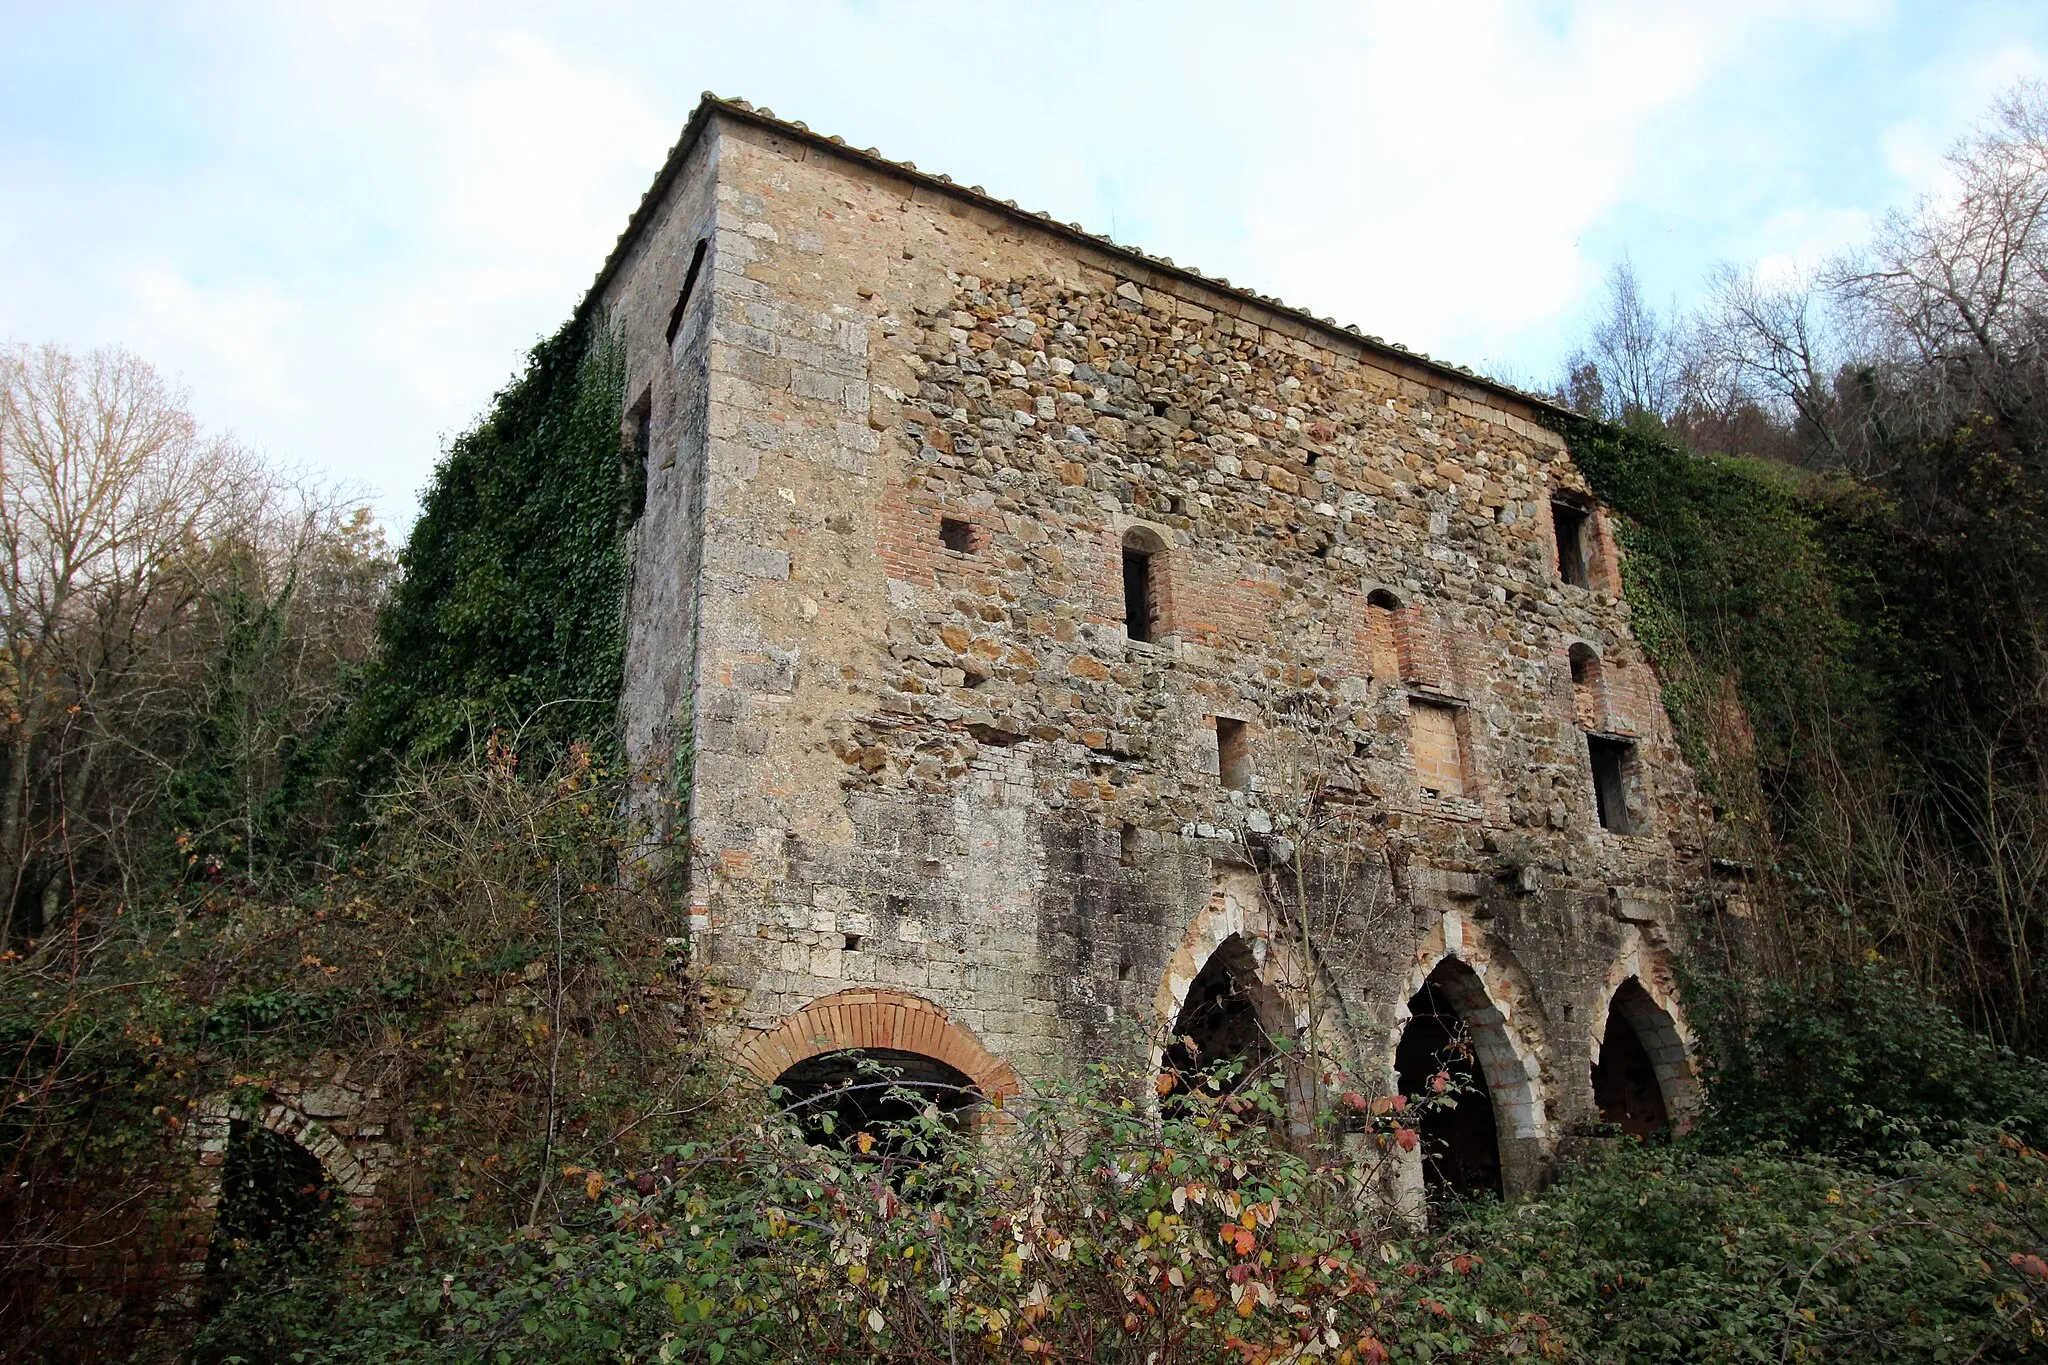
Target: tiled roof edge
(744, 112)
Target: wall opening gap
(675, 317)
(1611, 760)
(1138, 605)
(956, 535)
(633, 459)
(1570, 525)
(1233, 753)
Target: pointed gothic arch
(1238, 954)
(1641, 994)
(1492, 1000)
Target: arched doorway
(869, 1100)
(859, 1041)
(1438, 1063)
(1220, 1042)
(278, 1221)
(1641, 1062)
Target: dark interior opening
(956, 535)
(837, 1096)
(633, 477)
(1624, 1079)
(1584, 665)
(1569, 522)
(1137, 594)
(1460, 1143)
(1233, 754)
(277, 1211)
(1610, 780)
(675, 317)
(1218, 1023)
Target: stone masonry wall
(950, 773)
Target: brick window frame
(1388, 651)
(1589, 686)
(1144, 581)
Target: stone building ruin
(1005, 601)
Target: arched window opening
(1144, 585)
(1384, 646)
(1219, 1028)
(1436, 1057)
(879, 1093)
(1625, 1083)
(278, 1213)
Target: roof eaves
(739, 109)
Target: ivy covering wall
(510, 611)
(1762, 595)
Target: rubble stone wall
(950, 773)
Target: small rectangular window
(1612, 761)
(956, 535)
(1570, 524)
(1438, 748)
(1137, 594)
(1233, 753)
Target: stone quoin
(1007, 601)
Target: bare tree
(1955, 291)
(1776, 346)
(163, 594)
(1635, 349)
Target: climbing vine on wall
(1761, 601)
(510, 610)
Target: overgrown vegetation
(248, 842)
(509, 610)
(1076, 1226)
(1854, 634)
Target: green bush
(1860, 1065)
(1679, 1254)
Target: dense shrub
(1860, 1065)
(1676, 1254)
(1077, 1228)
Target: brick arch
(875, 1018)
(350, 1176)
(354, 1181)
(1238, 909)
(1661, 1028)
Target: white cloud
(360, 215)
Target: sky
(340, 226)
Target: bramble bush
(1083, 1225)
(1080, 1225)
